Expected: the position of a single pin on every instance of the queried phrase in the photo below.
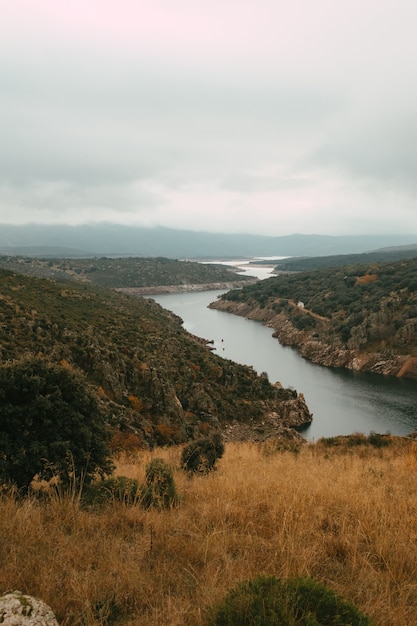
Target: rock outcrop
(356, 356)
(268, 429)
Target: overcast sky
(266, 116)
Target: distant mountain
(115, 239)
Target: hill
(117, 240)
(154, 378)
(361, 317)
(141, 274)
(377, 256)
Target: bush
(51, 425)
(379, 441)
(201, 455)
(159, 490)
(117, 489)
(268, 601)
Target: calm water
(342, 402)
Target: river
(342, 402)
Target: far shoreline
(188, 288)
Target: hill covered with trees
(132, 272)
(154, 380)
(385, 255)
(356, 316)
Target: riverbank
(317, 351)
(183, 288)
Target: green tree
(50, 425)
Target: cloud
(275, 118)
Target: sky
(244, 116)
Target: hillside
(303, 264)
(362, 317)
(137, 273)
(153, 377)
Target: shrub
(51, 425)
(124, 442)
(201, 455)
(159, 490)
(379, 441)
(268, 601)
(167, 434)
(117, 489)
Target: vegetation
(115, 489)
(344, 515)
(201, 455)
(130, 272)
(358, 439)
(156, 383)
(366, 307)
(51, 425)
(268, 601)
(302, 264)
(159, 490)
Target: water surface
(342, 402)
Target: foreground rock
(18, 609)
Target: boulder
(18, 609)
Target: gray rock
(18, 609)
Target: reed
(345, 516)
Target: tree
(50, 425)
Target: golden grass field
(347, 517)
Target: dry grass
(346, 517)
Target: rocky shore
(183, 288)
(312, 348)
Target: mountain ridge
(115, 239)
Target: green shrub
(201, 455)
(357, 439)
(51, 425)
(379, 441)
(117, 489)
(159, 490)
(269, 601)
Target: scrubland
(344, 515)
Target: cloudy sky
(266, 116)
